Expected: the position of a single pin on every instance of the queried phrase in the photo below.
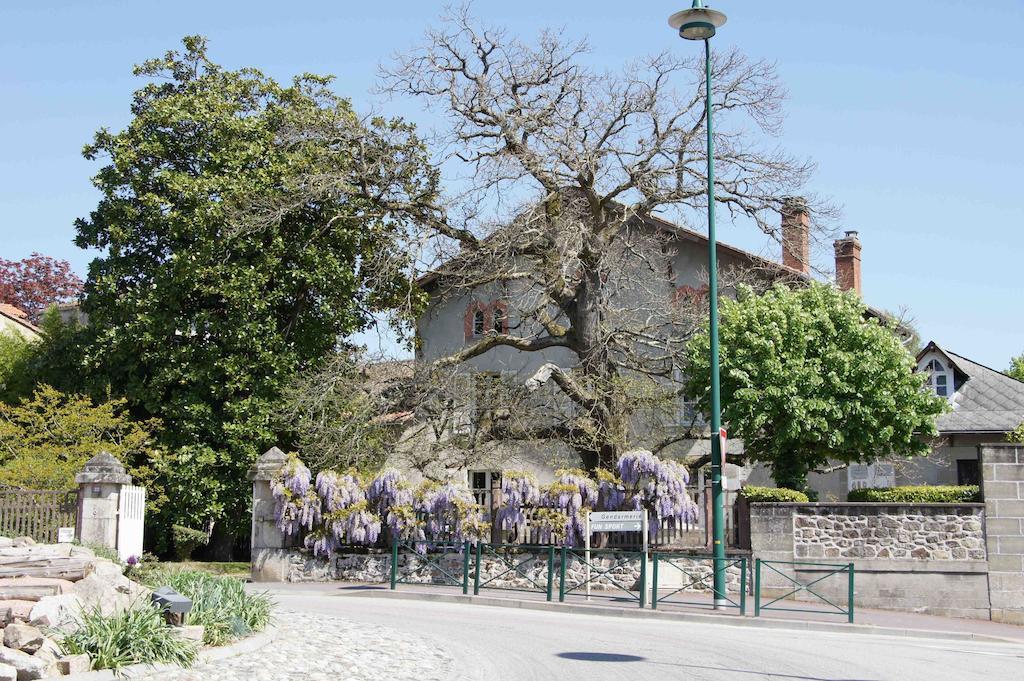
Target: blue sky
(912, 110)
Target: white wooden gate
(131, 512)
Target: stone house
(452, 321)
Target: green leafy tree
(15, 354)
(200, 318)
(808, 378)
(46, 439)
(1016, 369)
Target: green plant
(138, 635)
(187, 540)
(921, 494)
(104, 552)
(220, 604)
(772, 495)
(811, 378)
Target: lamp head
(698, 22)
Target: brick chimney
(848, 262)
(796, 226)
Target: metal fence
(795, 586)
(685, 565)
(36, 513)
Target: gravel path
(324, 648)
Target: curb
(246, 645)
(733, 621)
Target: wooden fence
(36, 513)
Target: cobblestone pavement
(321, 648)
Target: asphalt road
(506, 644)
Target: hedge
(772, 495)
(921, 494)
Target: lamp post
(700, 23)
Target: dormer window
(940, 378)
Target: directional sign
(723, 436)
(616, 521)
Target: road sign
(616, 521)
(722, 437)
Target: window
(967, 472)
(478, 322)
(939, 378)
(481, 484)
(499, 320)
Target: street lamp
(700, 23)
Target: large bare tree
(545, 184)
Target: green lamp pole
(700, 23)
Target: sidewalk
(867, 621)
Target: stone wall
(890, 532)
(1002, 472)
(919, 558)
(532, 573)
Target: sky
(912, 112)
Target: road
(507, 644)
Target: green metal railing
(660, 560)
(597, 572)
(512, 565)
(831, 570)
(422, 551)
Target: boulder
(23, 637)
(8, 673)
(74, 664)
(95, 592)
(57, 612)
(113, 574)
(5, 542)
(23, 541)
(15, 611)
(28, 667)
(48, 654)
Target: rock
(48, 654)
(74, 664)
(32, 588)
(190, 632)
(8, 673)
(5, 542)
(23, 637)
(15, 611)
(57, 612)
(28, 667)
(23, 541)
(95, 592)
(112, 574)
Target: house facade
(16, 322)
(452, 322)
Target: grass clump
(220, 604)
(139, 635)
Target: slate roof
(985, 400)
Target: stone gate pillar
(99, 493)
(270, 546)
(1002, 480)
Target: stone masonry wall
(532, 573)
(1002, 473)
(927, 558)
(923, 533)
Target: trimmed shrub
(140, 635)
(187, 540)
(220, 604)
(772, 495)
(921, 494)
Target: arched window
(939, 378)
(479, 322)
